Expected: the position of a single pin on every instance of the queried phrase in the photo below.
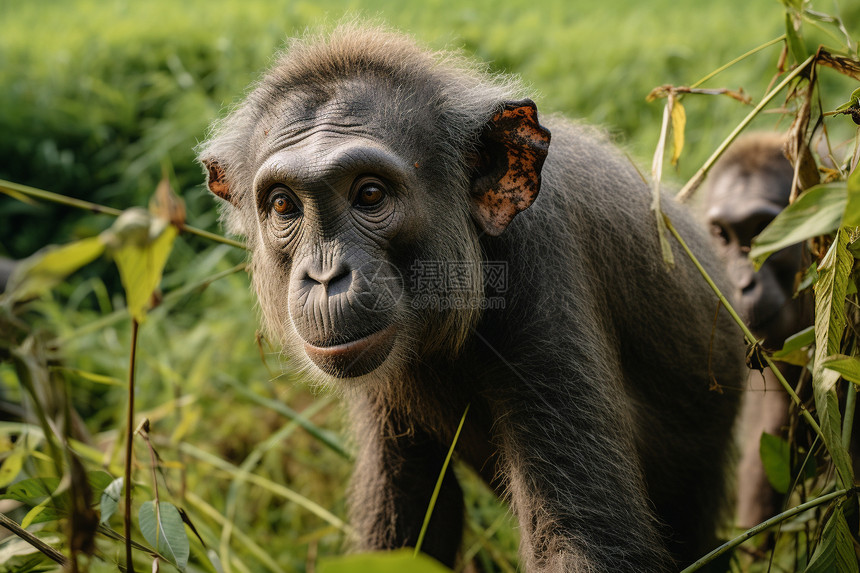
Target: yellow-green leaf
(382, 562)
(830, 289)
(33, 514)
(48, 267)
(679, 122)
(12, 466)
(140, 245)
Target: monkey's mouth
(353, 358)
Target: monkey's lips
(354, 358)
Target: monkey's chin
(355, 358)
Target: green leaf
(853, 101)
(12, 466)
(776, 459)
(816, 212)
(32, 491)
(834, 271)
(168, 529)
(851, 218)
(793, 37)
(382, 562)
(794, 348)
(835, 551)
(140, 245)
(109, 502)
(48, 267)
(847, 366)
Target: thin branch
(750, 533)
(751, 339)
(16, 188)
(738, 59)
(128, 448)
(697, 179)
(33, 540)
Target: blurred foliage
(100, 97)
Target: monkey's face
(739, 208)
(331, 208)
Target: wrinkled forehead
(369, 107)
(737, 187)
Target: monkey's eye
(282, 203)
(720, 233)
(371, 192)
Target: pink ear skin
(217, 180)
(522, 144)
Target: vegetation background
(100, 98)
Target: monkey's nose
(334, 279)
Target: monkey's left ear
(507, 175)
(217, 180)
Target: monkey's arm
(572, 479)
(394, 477)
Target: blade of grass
(436, 489)
(277, 489)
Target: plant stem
(738, 59)
(749, 533)
(129, 436)
(17, 188)
(751, 339)
(697, 179)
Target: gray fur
(590, 403)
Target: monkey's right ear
(507, 170)
(217, 181)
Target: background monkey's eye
(370, 192)
(283, 204)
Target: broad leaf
(816, 212)
(382, 562)
(165, 532)
(140, 245)
(834, 271)
(32, 491)
(793, 349)
(835, 551)
(776, 459)
(48, 267)
(109, 501)
(847, 366)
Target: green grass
(97, 98)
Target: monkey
(429, 249)
(747, 189)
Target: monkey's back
(678, 360)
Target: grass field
(99, 98)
